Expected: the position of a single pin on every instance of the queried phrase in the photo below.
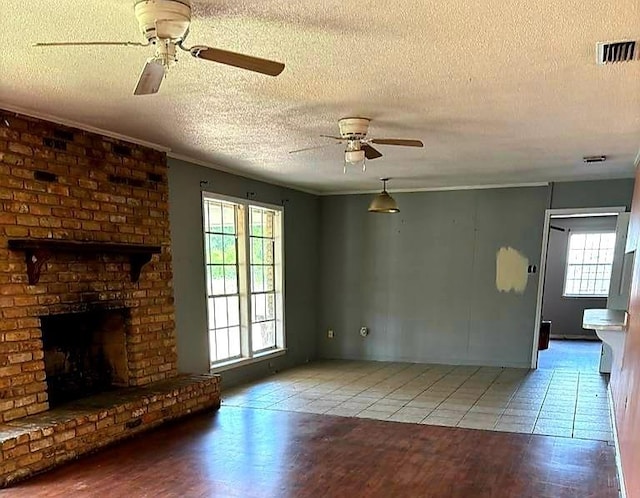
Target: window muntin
(589, 263)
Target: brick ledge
(38, 442)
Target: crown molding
(235, 172)
(439, 189)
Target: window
(264, 294)
(244, 275)
(222, 269)
(589, 262)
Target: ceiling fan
(165, 24)
(353, 132)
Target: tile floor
(554, 402)
(571, 354)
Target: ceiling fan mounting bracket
(163, 19)
(354, 128)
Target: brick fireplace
(86, 301)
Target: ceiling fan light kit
(383, 202)
(358, 149)
(165, 25)
(354, 156)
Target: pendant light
(383, 202)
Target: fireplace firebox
(84, 353)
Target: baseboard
(434, 361)
(614, 425)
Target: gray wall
(301, 268)
(605, 193)
(566, 313)
(424, 280)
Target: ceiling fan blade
(310, 148)
(242, 61)
(335, 138)
(370, 152)
(397, 141)
(150, 79)
(84, 44)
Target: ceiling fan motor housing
(353, 128)
(163, 19)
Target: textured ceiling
(500, 91)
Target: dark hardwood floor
(243, 452)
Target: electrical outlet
(330, 334)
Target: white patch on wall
(511, 270)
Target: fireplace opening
(84, 353)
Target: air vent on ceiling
(623, 51)
(594, 159)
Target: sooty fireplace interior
(84, 353)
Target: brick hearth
(35, 443)
(63, 184)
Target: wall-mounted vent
(623, 51)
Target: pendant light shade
(383, 202)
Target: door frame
(556, 213)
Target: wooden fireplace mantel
(38, 251)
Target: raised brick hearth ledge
(35, 443)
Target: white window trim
(242, 362)
(244, 283)
(566, 266)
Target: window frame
(237, 266)
(566, 265)
(278, 275)
(243, 245)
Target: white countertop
(603, 319)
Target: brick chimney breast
(71, 185)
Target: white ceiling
(500, 91)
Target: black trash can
(545, 332)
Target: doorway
(578, 271)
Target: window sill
(241, 362)
(587, 296)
